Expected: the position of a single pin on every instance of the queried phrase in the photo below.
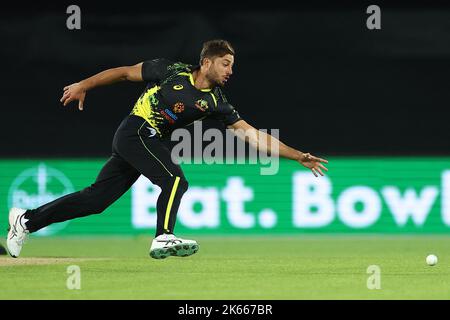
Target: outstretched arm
(77, 91)
(263, 141)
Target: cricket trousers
(136, 150)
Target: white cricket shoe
(166, 245)
(17, 232)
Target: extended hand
(74, 92)
(313, 163)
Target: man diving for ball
(176, 95)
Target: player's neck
(200, 80)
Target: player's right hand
(74, 92)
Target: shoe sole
(160, 253)
(179, 250)
(184, 250)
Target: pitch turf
(300, 267)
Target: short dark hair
(215, 48)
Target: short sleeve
(225, 113)
(155, 70)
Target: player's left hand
(313, 163)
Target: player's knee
(89, 192)
(94, 201)
(167, 184)
(98, 208)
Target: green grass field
(300, 267)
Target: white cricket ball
(432, 260)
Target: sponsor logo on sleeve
(169, 116)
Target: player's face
(220, 69)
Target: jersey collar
(191, 77)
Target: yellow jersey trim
(191, 80)
(169, 205)
(143, 108)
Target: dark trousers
(136, 150)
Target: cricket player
(176, 95)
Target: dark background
(329, 84)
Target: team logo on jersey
(178, 107)
(178, 87)
(201, 105)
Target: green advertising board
(358, 195)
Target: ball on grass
(432, 260)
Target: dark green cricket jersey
(171, 101)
